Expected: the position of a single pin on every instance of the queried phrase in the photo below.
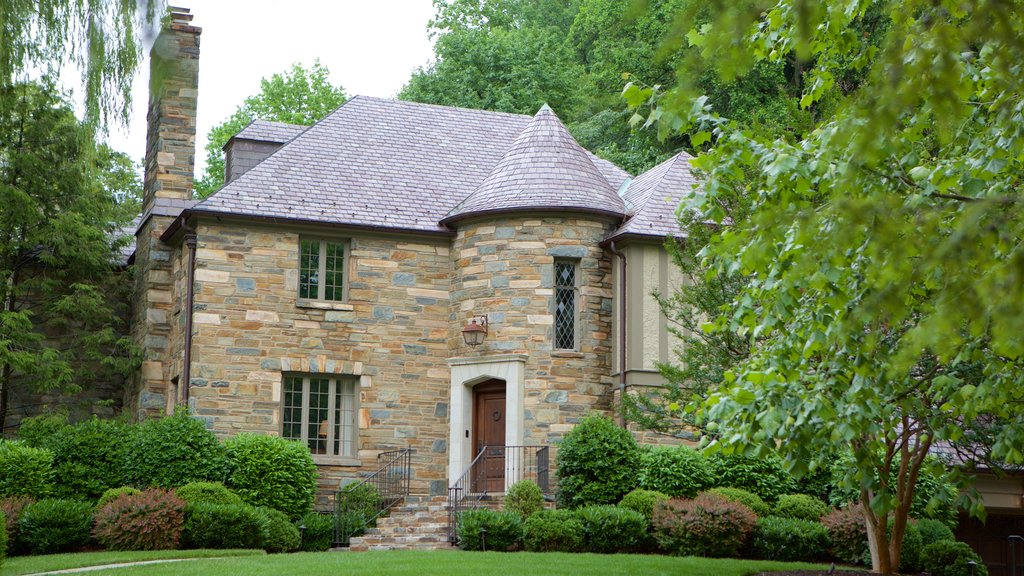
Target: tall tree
(60, 239)
(296, 96)
(883, 250)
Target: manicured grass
(454, 563)
(32, 564)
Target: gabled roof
(379, 163)
(545, 168)
(267, 131)
(654, 196)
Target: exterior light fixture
(475, 331)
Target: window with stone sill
(566, 305)
(320, 411)
(322, 269)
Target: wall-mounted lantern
(475, 331)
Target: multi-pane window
(566, 304)
(321, 270)
(321, 413)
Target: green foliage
(790, 539)
(524, 498)
(934, 531)
(359, 506)
(848, 532)
(748, 499)
(319, 533)
(485, 529)
(643, 501)
(679, 471)
(207, 492)
(800, 506)
(112, 494)
(763, 475)
(224, 526)
(597, 463)
(910, 557)
(150, 520)
(611, 529)
(553, 531)
(297, 96)
(950, 558)
(91, 457)
(25, 471)
(271, 471)
(282, 535)
(11, 507)
(708, 525)
(36, 431)
(176, 450)
(53, 525)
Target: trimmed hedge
(709, 525)
(745, 497)
(524, 498)
(611, 529)
(54, 525)
(801, 507)
(643, 501)
(934, 531)
(271, 471)
(282, 535)
(790, 540)
(224, 526)
(950, 558)
(597, 463)
(762, 476)
(207, 493)
(24, 470)
(150, 520)
(553, 531)
(91, 457)
(485, 529)
(679, 471)
(112, 494)
(176, 450)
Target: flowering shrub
(708, 525)
(150, 520)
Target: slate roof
(267, 131)
(388, 164)
(654, 196)
(545, 168)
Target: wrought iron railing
(493, 470)
(358, 505)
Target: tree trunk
(882, 561)
(5, 386)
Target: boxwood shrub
(486, 529)
(597, 463)
(790, 539)
(745, 497)
(175, 450)
(709, 525)
(763, 476)
(112, 494)
(150, 520)
(800, 506)
(54, 525)
(207, 492)
(24, 470)
(611, 529)
(679, 471)
(950, 558)
(643, 501)
(524, 498)
(282, 535)
(224, 526)
(553, 531)
(271, 471)
(934, 531)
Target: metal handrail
(358, 505)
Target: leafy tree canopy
(296, 96)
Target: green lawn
(403, 563)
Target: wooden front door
(489, 431)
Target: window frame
(321, 286)
(333, 411)
(576, 316)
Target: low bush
(176, 450)
(319, 531)
(934, 531)
(848, 533)
(53, 525)
(597, 463)
(224, 526)
(524, 498)
(910, 555)
(801, 507)
(678, 471)
(745, 497)
(790, 539)
(643, 501)
(271, 471)
(207, 493)
(282, 535)
(11, 508)
(553, 531)
(610, 529)
(90, 457)
(37, 430)
(709, 525)
(950, 558)
(112, 494)
(763, 476)
(24, 470)
(485, 529)
(150, 520)
(359, 504)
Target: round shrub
(643, 501)
(610, 529)
(934, 531)
(763, 476)
(678, 471)
(112, 494)
(271, 471)
(24, 470)
(708, 525)
(282, 535)
(485, 529)
(747, 498)
(848, 533)
(53, 525)
(150, 520)
(553, 531)
(597, 463)
(790, 539)
(950, 558)
(224, 526)
(319, 531)
(11, 508)
(524, 498)
(90, 457)
(801, 507)
(910, 555)
(359, 505)
(208, 493)
(175, 450)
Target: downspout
(190, 274)
(622, 327)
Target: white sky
(370, 47)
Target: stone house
(323, 293)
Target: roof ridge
(439, 106)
